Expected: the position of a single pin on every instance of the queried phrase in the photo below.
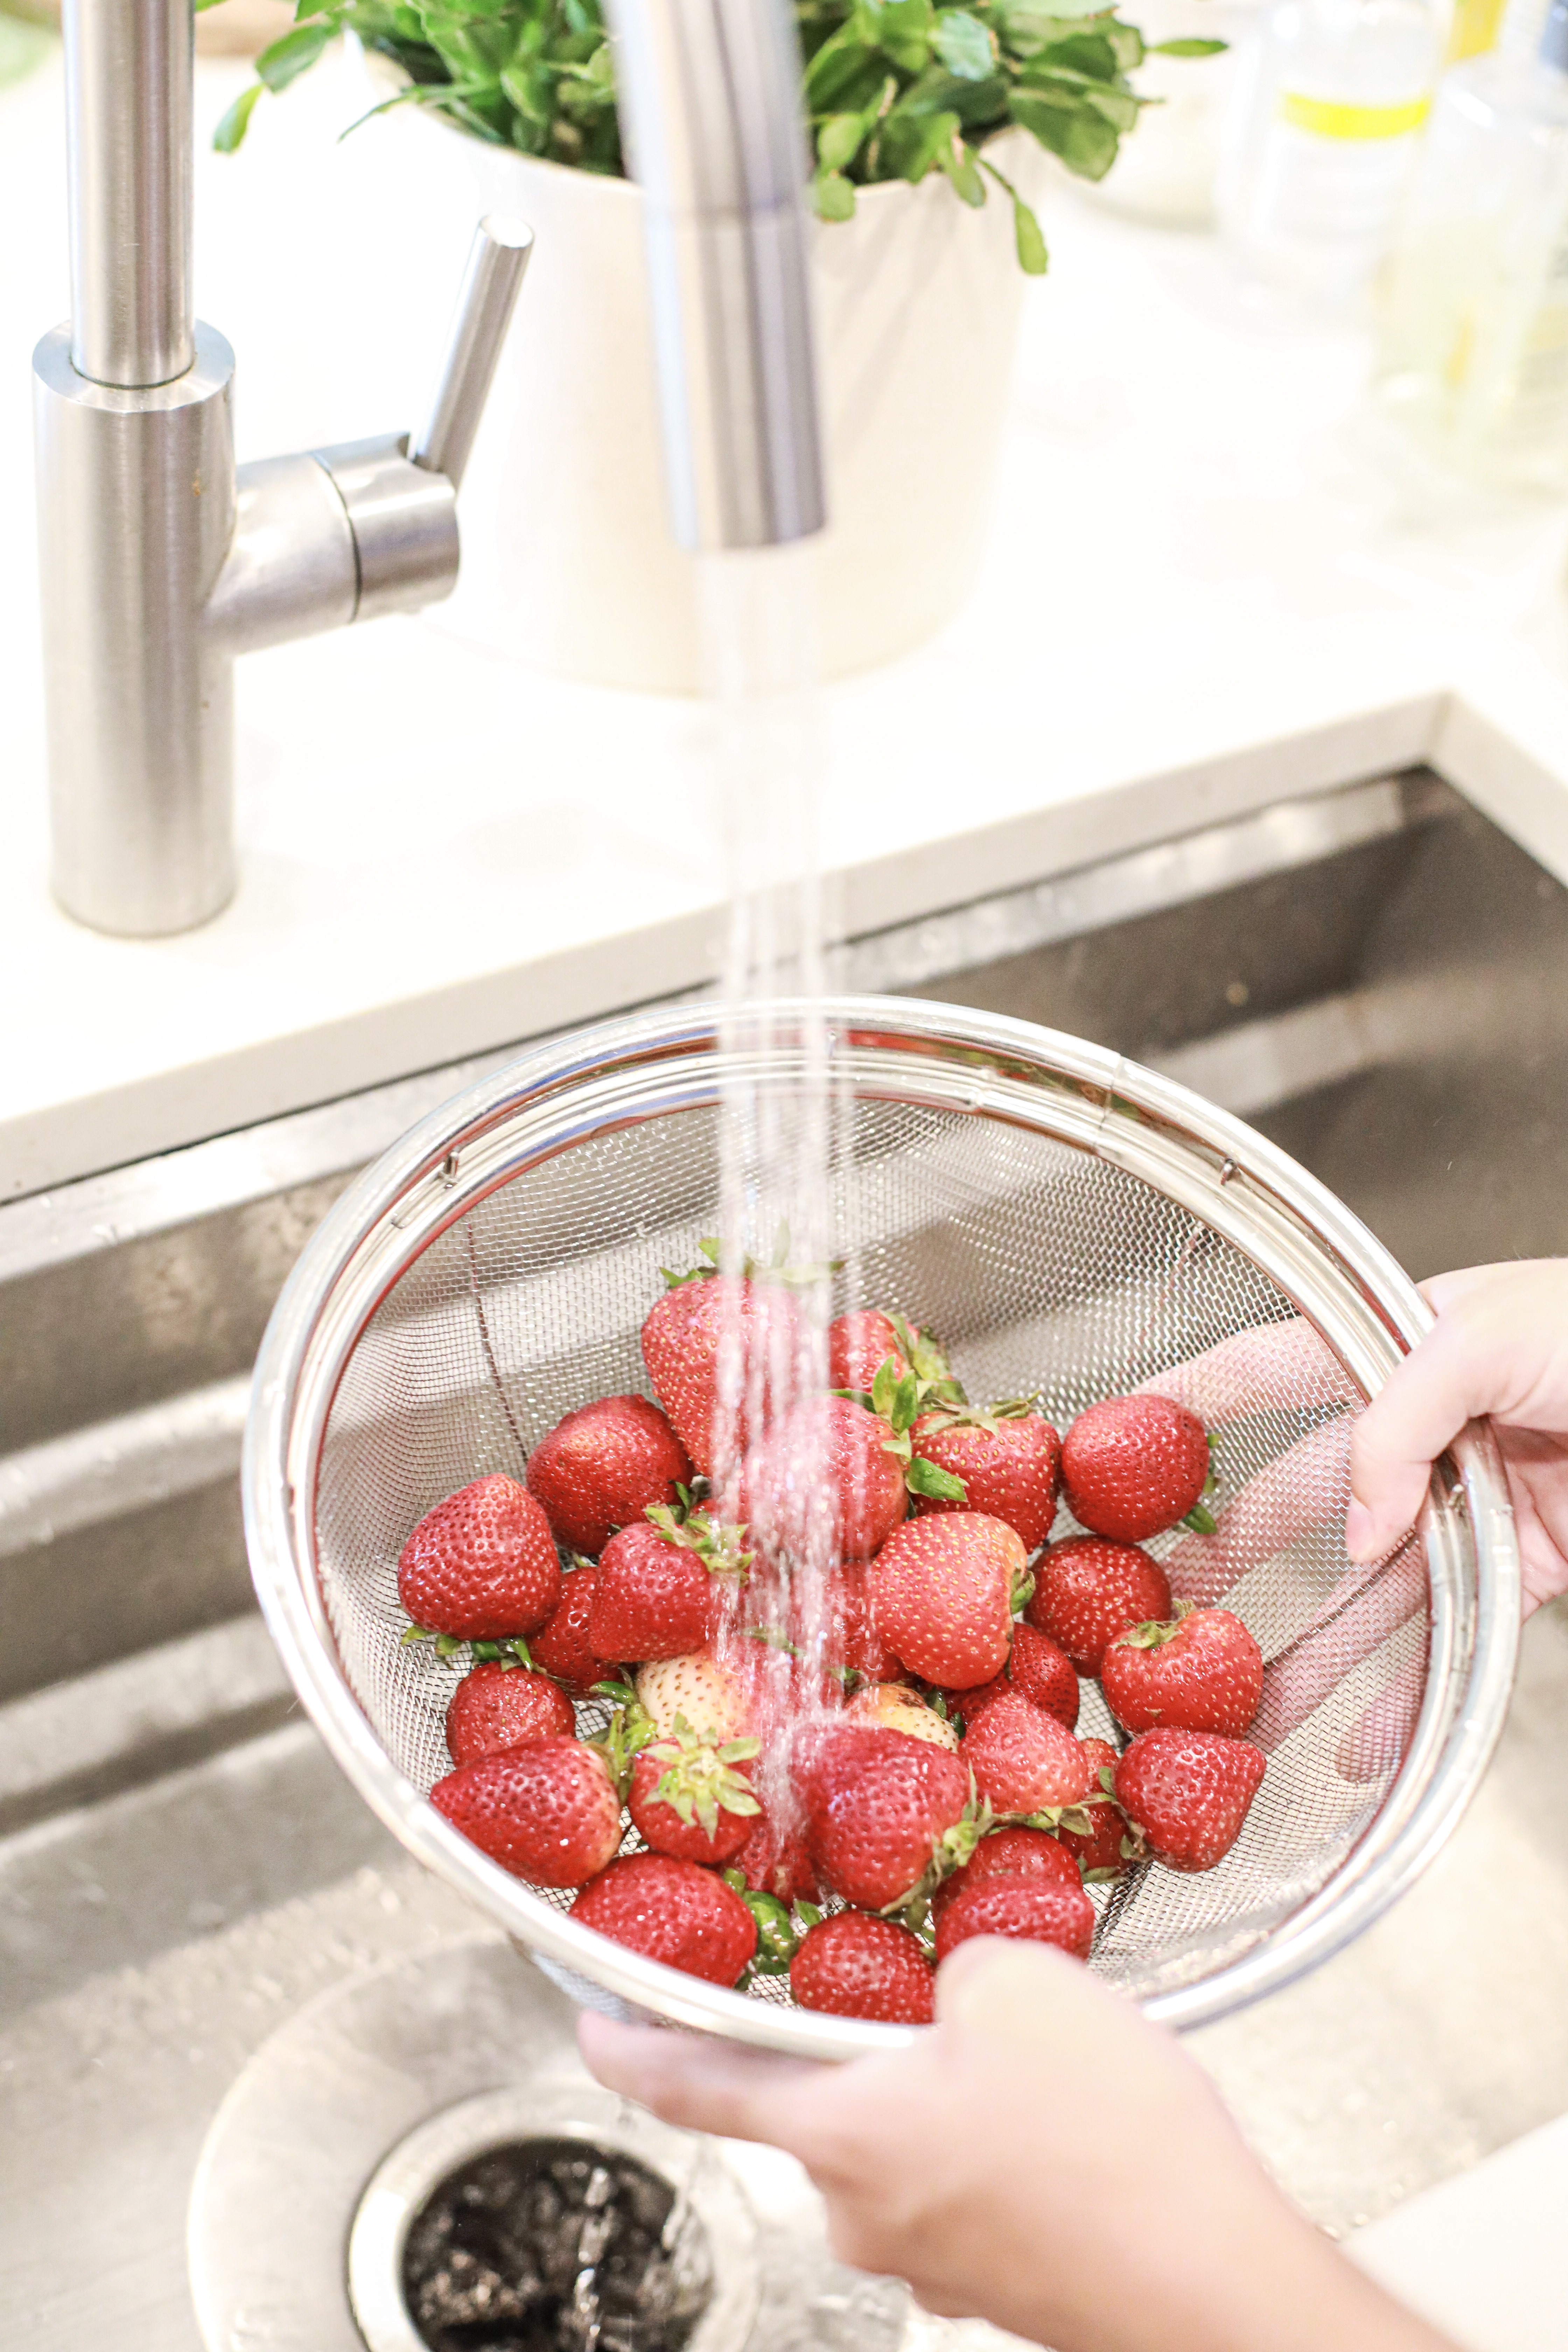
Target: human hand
(1498, 1348)
(1044, 2158)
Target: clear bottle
(1328, 118)
(1473, 325)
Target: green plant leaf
(963, 173)
(963, 45)
(839, 140)
(285, 60)
(1186, 48)
(1029, 239)
(230, 133)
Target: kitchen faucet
(160, 560)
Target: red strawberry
(720, 1334)
(671, 1911)
(663, 1586)
(852, 1966)
(1199, 1670)
(1133, 1466)
(858, 1345)
(821, 1484)
(861, 1342)
(1062, 1915)
(775, 1862)
(495, 1706)
(482, 1565)
(561, 1648)
(878, 1810)
(1038, 1668)
(1087, 1591)
(688, 1799)
(602, 1466)
(1099, 1854)
(1009, 1461)
(545, 1810)
(1189, 1792)
(850, 1640)
(941, 1590)
(1023, 1760)
(1012, 1852)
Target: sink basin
(1375, 977)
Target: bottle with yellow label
(1329, 108)
(1473, 326)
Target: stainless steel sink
(1377, 978)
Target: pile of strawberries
(893, 1732)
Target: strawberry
(1198, 1671)
(495, 1705)
(1011, 1851)
(482, 1565)
(941, 1590)
(561, 1648)
(1038, 1668)
(1133, 1466)
(883, 1811)
(852, 1966)
(858, 1344)
(714, 1336)
(861, 1342)
(850, 1641)
(1026, 1907)
(709, 1692)
(1008, 1462)
(602, 1466)
(545, 1810)
(671, 1911)
(687, 1798)
(663, 1586)
(1189, 1792)
(896, 1707)
(1087, 1591)
(775, 1862)
(1023, 1760)
(821, 1483)
(1109, 1847)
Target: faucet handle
(497, 260)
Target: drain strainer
(519, 2222)
(555, 2243)
(338, 2143)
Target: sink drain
(555, 2245)
(511, 2223)
(404, 2120)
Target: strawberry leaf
(923, 1477)
(884, 1388)
(1023, 1592)
(1201, 1521)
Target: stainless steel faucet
(160, 560)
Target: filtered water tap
(160, 560)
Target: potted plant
(929, 123)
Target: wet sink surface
(185, 1869)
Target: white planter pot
(568, 563)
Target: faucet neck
(128, 140)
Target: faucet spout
(709, 111)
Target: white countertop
(1207, 584)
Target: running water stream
(783, 1119)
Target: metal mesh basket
(1069, 1224)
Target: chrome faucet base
(136, 509)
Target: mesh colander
(1070, 1222)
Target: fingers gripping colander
(1067, 1223)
